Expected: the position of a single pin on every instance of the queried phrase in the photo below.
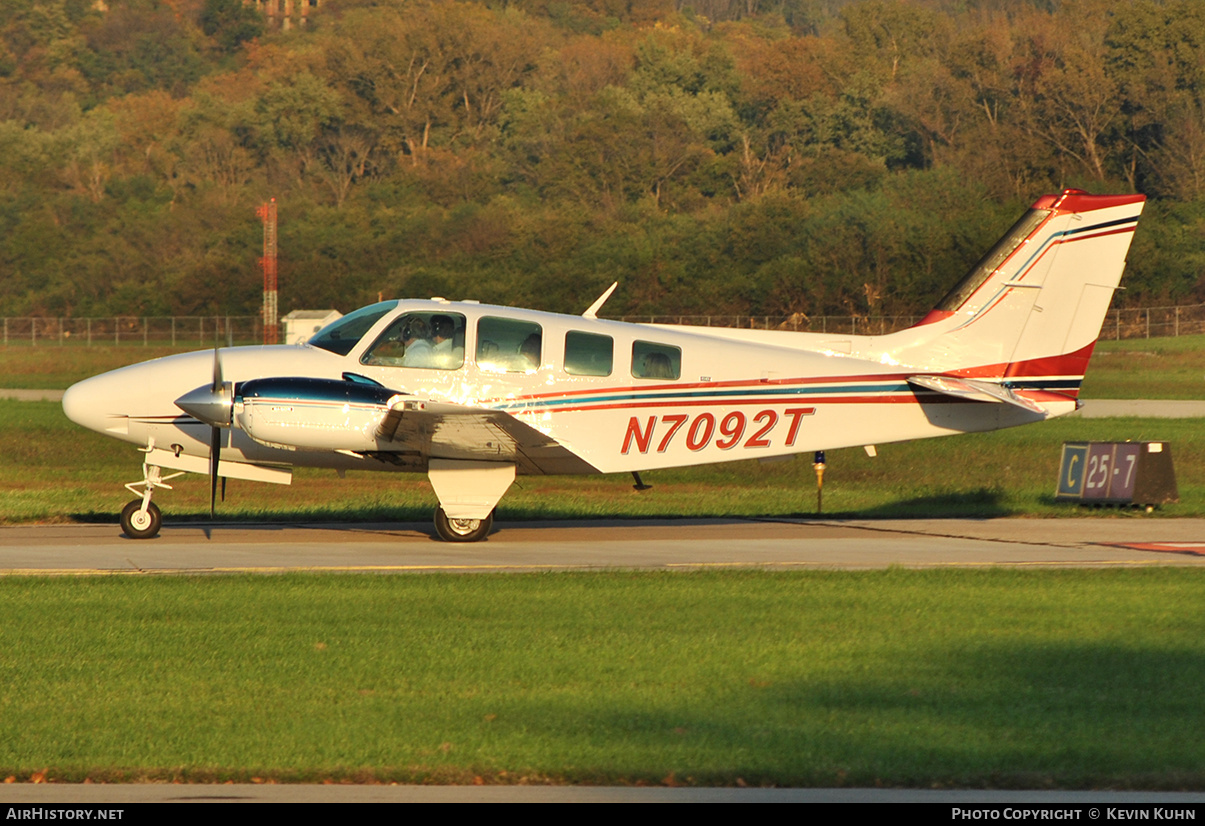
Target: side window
(432, 341)
(587, 354)
(655, 361)
(506, 345)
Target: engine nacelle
(312, 414)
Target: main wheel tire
(140, 524)
(462, 530)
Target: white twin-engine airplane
(472, 394)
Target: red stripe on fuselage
(736, 383)
(1068, 364)
(895, 398)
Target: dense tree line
(722, 156)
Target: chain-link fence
(1150, 322)
(1154, 322)
(207, 331)
(799, 323)
(173, 331)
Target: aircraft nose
(91, 403)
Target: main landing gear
(462, 530)
(469, 490)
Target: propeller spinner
(213, 405)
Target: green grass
(52, 470)
(56, 368)
(1001, 678)
(1150, 368)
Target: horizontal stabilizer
(975, 390)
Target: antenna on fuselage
(597, 305)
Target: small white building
(301, 324)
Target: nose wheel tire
(462, 530)
(140, 524)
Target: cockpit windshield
(342, 336)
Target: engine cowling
(312, 414)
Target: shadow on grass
(293, 517)
(397, 520)
(1058, 715)
(981, 503)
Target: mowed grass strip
(52, 470)
(961, 678)
(55, 367)
(1147, 368)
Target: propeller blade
(215, 449)
(217, 370)
(218, 394)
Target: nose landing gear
(140, 519)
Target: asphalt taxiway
(199, 548)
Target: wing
(439, 430)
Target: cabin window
(507, 345)
(431, 341)
(342, 335)
(656, 361)
(588, 354)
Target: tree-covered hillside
(720, 156)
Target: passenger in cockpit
(443, 331)
(416, 335)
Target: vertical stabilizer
(1032, 308)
